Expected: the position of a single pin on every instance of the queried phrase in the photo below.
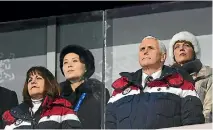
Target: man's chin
(146, 64)
(149, 65)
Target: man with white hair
(156, 96)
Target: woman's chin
(73, 80)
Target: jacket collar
(191, 67)
(135, 77)
(205, 71)
(49, 102)
(67, 90)
(196, 69)
(22, 111)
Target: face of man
(150, 53)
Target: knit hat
(85, 56)
(187, 36)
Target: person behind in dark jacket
(155, 96)
(86, 94)
(42, 107)
(11, 102)
(184, 52)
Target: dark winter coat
(8, 100)
(91, 111)
(168, 101)
(202, 76)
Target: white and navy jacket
(52, 114)
(168, 101)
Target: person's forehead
(34, 74)
(71, 56)
(181, 42)
(149, 41)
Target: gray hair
(161, 44)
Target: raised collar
(191, 67)
(22, 111)
(67, 90)
(135, 77)
(155, 75)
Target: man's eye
(151, 47)
(142, 48)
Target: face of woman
(36, 85)
(72, 67)
(183, 52)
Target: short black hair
(85, 56)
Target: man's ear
(163, 57)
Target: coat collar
(22, 111)
(196, 69)
(136, 79)
(67, 90)
(191, 67)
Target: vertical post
(103, 106)
(51, 45)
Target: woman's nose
(33, 81)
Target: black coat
(8, 100)
(91, 110)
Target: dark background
(20, 10)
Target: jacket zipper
(35, 119)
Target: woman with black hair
(88, 95)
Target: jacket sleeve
(14, 100)
(191, 106)
(120, 86)
(107, 95)
(70, 120)
(11, 102)
(207, 104)
(110, 122)
(8, 119)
